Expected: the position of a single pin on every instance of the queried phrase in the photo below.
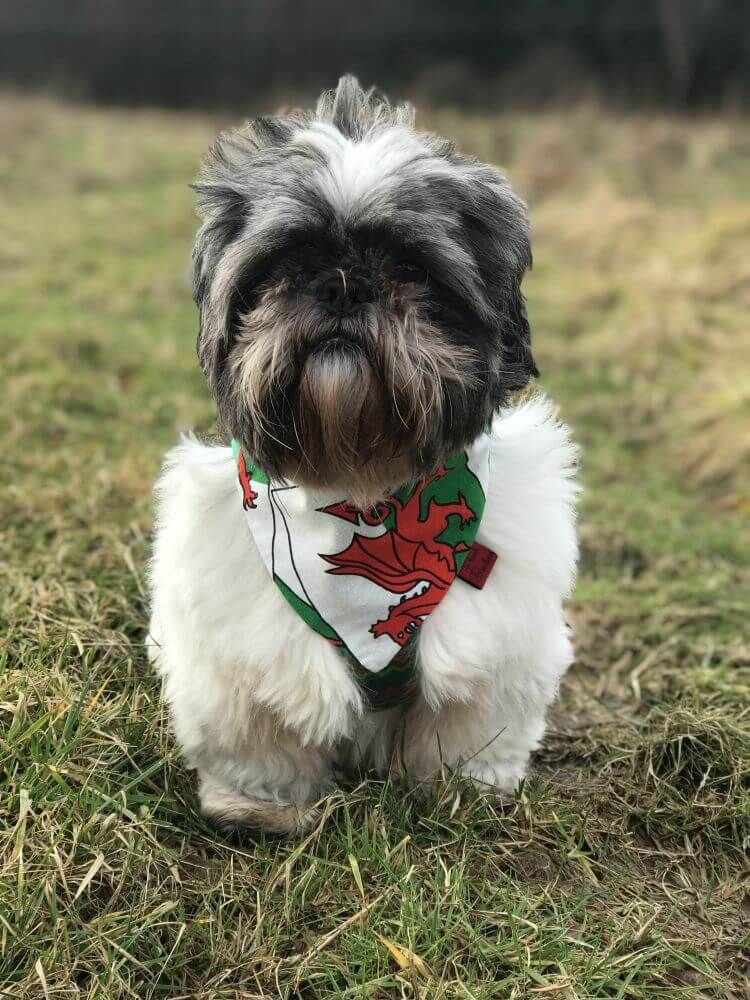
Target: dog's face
(359, 288)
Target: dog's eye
(407, 272)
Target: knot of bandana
(366, 580)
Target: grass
(619, 870)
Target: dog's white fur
(265, 708)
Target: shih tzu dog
(371, 577)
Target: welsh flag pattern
(367, 580)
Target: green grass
(619, 869)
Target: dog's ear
(497, 232)
(519, 365)
(229, 184)
(221, 204)
(232, 180)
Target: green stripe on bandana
(366, 580)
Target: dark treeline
(201, 53)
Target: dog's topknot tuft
(355, 111)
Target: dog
(372, 577)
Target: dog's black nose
(342, 294)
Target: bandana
(366, 580)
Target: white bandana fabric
(366, 580)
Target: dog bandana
(367, 579)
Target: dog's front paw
(496, 779)
(232, 810)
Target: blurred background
(624, 124)
(235, 53)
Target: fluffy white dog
(372, 577)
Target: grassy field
(619, 871)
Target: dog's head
(359, 290)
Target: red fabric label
(477, 565)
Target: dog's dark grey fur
(439, 241)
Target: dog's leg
(232, 810)
(489, 746)
(258, 702)
(489, 733)
(253, 772)
(271, 783)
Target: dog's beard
(362, 405)
(341, 413)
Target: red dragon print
(249, 496)
(401, 559)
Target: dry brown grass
(619, 871)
